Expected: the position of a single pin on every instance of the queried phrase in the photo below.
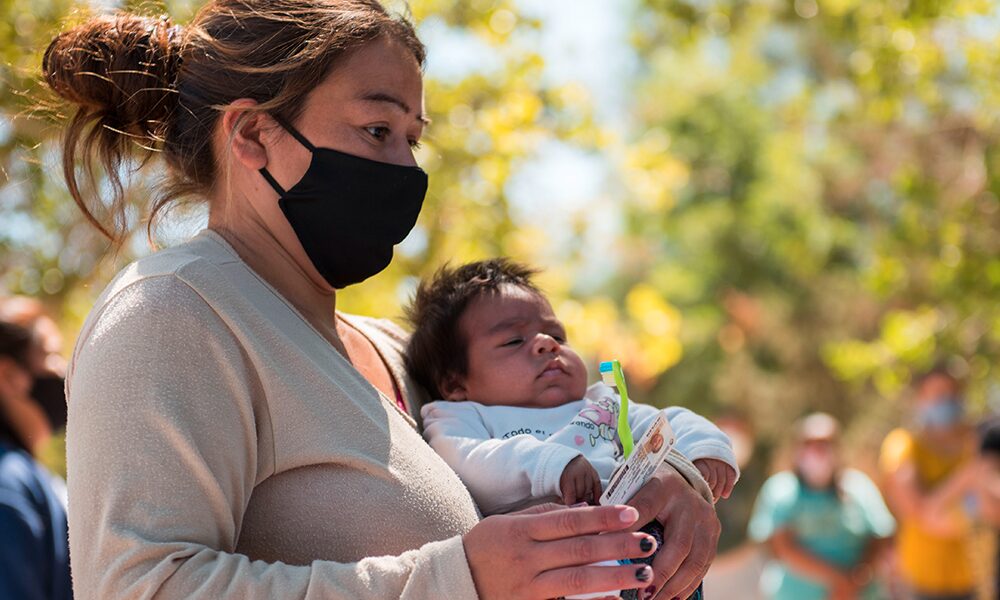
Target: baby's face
(518, 353)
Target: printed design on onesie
(601, 417)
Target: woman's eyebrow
(397, 102)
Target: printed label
(646, 457)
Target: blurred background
(763, 208)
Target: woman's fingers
(539, 509)
(649, 500)
(690, 530)
(701, 547)
(591, 580)
(570, 522)
(676, 549)
(585, 550)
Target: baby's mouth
(552, 369)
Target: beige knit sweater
(219, 447)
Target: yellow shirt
(930, 563)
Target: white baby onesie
(511, 457)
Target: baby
(517, 422)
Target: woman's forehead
(380, 71)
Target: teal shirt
(834, 527)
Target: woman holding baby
(230, 435)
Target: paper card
(647, 456)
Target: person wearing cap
(825, 525)
(929, 480)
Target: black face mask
(49, 392)
(348, 212)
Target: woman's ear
(452, 387)
(244, 132)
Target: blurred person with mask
(34, 547)
(928, 483)
(45, 359)
(825, 525)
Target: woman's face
(371, 105)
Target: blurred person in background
(23, 420)
(987, 490)
(927, 484)
(45, 359)
(825, 525)
(34, 548)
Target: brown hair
(143, 85)
(437, 349)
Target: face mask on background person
(49, 391)
(942, 414)
(348, 212)
(816, 467)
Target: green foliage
(837, 227)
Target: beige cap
(817, 427)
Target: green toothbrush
(611, 374)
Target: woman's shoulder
(197, 263)
(169, 287)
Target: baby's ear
(452, 387)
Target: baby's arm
(699, 440)
(707, 447)
(499, 473)
(580, 482)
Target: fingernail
(578, 505)
(643, 574)
(646, 544)
(629, 515)
(647, 594)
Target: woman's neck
(262, 252)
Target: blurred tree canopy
(802, 208)
(832, 219)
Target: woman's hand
(534, 555)
(690, 533)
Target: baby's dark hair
(437, 348)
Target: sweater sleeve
(165, 417)
(500, 474)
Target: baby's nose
(545, 344)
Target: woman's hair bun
(120, 70)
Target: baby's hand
(580, 482)
(721, 477)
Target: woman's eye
(378, 132)
(513, 342)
